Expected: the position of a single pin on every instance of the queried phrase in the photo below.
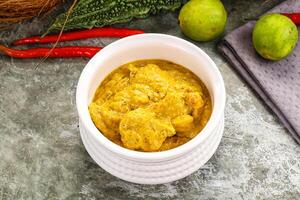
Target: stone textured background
(42, 156)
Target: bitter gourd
(98, 13)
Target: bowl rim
(86, 121)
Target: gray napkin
(277, 83)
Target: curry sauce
(151, 105)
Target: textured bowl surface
(156, 167)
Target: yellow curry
(151, 105)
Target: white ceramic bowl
(154, 167)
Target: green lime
(203, 20)
(274, 36)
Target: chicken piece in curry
(151, 105)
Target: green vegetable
(98, 13)
(274, 36)
(203, 20)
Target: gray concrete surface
(42, 156)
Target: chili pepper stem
(5, 50)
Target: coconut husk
(15, 11)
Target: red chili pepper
(58, 52)
(83, 34)
(295, 17)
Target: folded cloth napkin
(277, 83)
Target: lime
(203, 20)
(274, 36)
